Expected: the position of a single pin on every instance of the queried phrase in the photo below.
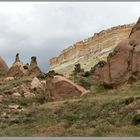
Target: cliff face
(123, 65)
(90, 51)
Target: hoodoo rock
(59, 87)
(17, 69)
(3, 65)
(123, 64)
(34, 70)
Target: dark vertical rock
(17, 58)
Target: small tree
(100, 64)
(77, 68)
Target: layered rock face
(90, 51)
(3, 65)
(18, 69)
(123, 64)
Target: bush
(50, 73)
(129, 100)
(42, 76)
(136, 119)
(3, 74)
(40, 99)
(85, 83)
(100, 64)
(77, 69)
(86, 74)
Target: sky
(44, 29)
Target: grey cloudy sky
(43, 29)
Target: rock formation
(18, 69)
(123, 64)
(36, 83)
(34, 69)
(58, 88)
(90, 51)
(3, 65)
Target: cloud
(44, 29)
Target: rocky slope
(90, 51)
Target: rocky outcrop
(90, 51)
(59, 87)
(123, 64)
(18, 69)
(36, 83)
(34, 70)
(3, 66)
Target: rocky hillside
(90, 51)
(102, 113)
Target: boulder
(1, 97)
(9, 78)
(29, 95)
(14, 106)
(16, 95)
(59, 87)
(36, 83)
(123, 64)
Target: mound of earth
(59, 87)
(123, 65)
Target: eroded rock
(18, 69)
(123, 65)
(36, 83)
(16, 95)
(34, 70)
(29, 95)
(59, 87)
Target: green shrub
(128, 101)
(77, 69)
(136, 119)
(85, 83)
(40, 99)
(86, 74)
(100, 64)
(3, 74)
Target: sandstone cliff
(90, 51)
(123, 64)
